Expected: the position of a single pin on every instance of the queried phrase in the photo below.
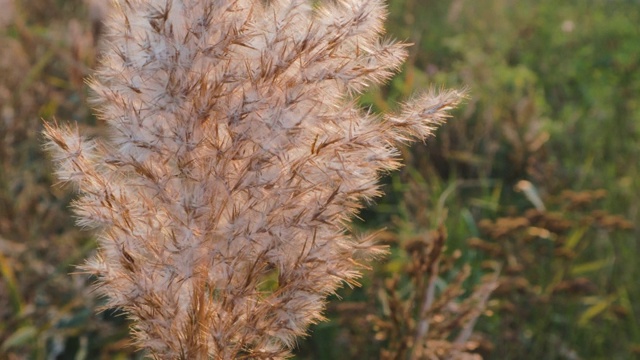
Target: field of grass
(532, 187)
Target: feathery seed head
(236, 158)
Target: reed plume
(237, 156)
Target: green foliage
(44, 311)
(553, 100)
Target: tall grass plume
(237, 156)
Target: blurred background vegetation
(530, 193)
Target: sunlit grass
(553, 100)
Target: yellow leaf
(595, 310)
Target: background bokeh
(535, 176)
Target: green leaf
(575, 238)
(21, 337)
(590, 266)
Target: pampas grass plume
(237, 156)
